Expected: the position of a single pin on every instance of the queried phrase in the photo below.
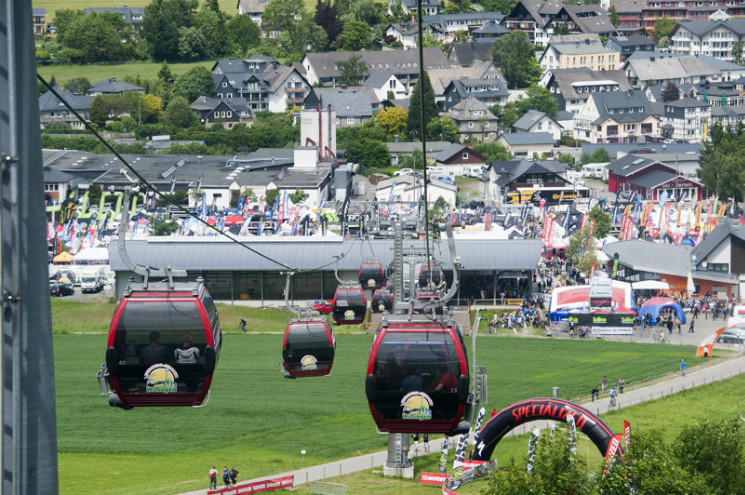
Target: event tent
(655, 306)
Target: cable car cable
(158, 193)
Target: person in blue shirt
(683, 367)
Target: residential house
(588, 52)
(131, 15)
(371, 95)
(528, 144)
(536, 121)
(617, 117)
(487, 91)
(684, 118)
(408, 33)
(254, 9)
(467, 22)
(112, 86)
(460, 160)
(226, 113)
(492, 30)
(649, 178)
(572, 87)
(51, 109)
(727, 115)
(474, 120)
(384, 84)
(466, 54)
(352, 109)
(629, 15)
(627, 45)
(262, 81)
(40, 22)
(404, 64)
(684, 9)
(707, 37)
(538, 18)
(657, 69)
(429, 7)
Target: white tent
(651, 285)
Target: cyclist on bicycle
(612, 394)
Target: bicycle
(613, 401)
(242, 325)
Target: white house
(409, 188)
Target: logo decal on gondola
(371, 283)
(161, 378)
(349, 315)
(309, 362)
(381, 307)
(417, 405)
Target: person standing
(683, 367)
(213, 478)
(604, 384)
(690, 327)
(234, 476)
(226, 477)
(426, 443)
(594, 393)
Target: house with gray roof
(528, 144)
(371, 96)
(572, 87)
(404, 64)
(684, 119)
(577, 51)
(649, 176)
(254, 9)
(642, 70)
(519, 172)
(408, 32)
(398, 149)
(714, 38)
(727, 115)
(474, 120)
(459, 159)
(492, 30)
(429, 7)
(112, 86)
(262, 81)
(465, 54)
(536, 121)
(51, 108)
(487, 91)
(40, 21)
(627, 45)
(352, 108)
(617, 117)
(224, 112)
(384, 84)
(466, 22)
(131, 15)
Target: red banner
(256, 487)
(626, 435)
(433, 478)
(613, 450)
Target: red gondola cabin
(308, 348)
(371, 275)
(349, 306)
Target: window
(229, 114)
(224, 84)
(470, 125)
(465, 155)
(350, 120)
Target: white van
(93, 280)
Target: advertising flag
(199, 183)
(460, 450)
(610, 454)
(572, 434)
(626, 435)
(444, 456)
(344, 216)
(532, 444)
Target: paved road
(719, 369)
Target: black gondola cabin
(163, 346)
(417, 377)
(382, 300)
(433, 271)
(371, 275)
(308, 348)
(349, 306)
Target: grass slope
(99, 72)
(227, 6)
(260, 422)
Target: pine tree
(414, 119)
(98, 112)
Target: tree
(602, 222)
(392, 119)
(372, 155)
(191, 43)
(737, 52)
(98, 112)
(367, 11)
(662, 29)
(298, 196)
(78, 85)
(352, 70)
(243, 33)
(193, 84)
(271, 195)
(62, 20)
(492, 151)
(281, 15)
(515, 56)
(214, 30)
(178, 112)
(354, 36)
(160, 26)
(538, 98)
(613, 16)
(165, 74)
(160, 225)
(98, 37)
(722, 161)
(430, 110)
(581, 250)
(671, 92)
(443, 129)
(328, 18)
(561, 28)
(600, 155)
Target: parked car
(732, 335)
(403, 171)
(323, 307)
(54, 288)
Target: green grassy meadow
(259, 421)
(96, 72)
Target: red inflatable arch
(537, 409)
